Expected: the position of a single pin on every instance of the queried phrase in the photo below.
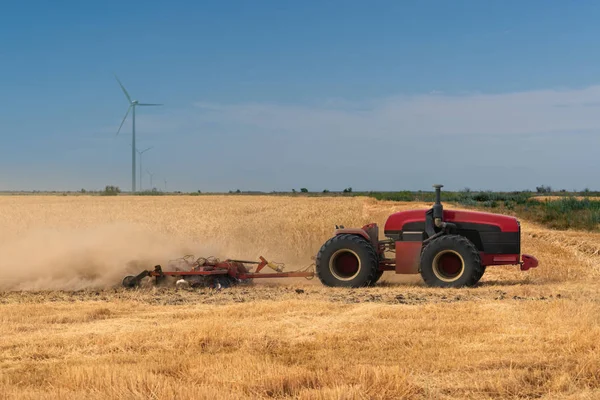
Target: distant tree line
(465, 194)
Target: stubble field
(68, 331)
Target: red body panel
(408, 257)
(499, 259)
(396, 221)
(408, 253)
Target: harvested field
(69, 332)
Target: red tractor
(449, 248)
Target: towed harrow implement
(212, 272)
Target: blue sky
(274, 95)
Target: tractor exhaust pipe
(434, 218)
(438, 208)
(438, 193)
(438, 212)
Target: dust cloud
(99, 257)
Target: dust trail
(72, 259)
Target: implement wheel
(130, 282)
(347, 261)
(451, 261)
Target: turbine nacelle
(132, 103)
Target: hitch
(528, 262)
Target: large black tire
(480, 275)
(451, 261)
(377, 277)
(347, 261)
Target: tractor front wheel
(451, 261)
(377, 278)
(347, 261)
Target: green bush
(468, 201)
(490, 203)
(153, 192)
(110, 190)
(568, 212)
(394, 196)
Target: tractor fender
(369, 232)
(352, 231)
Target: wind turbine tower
(140, 154)
(132, 105)
(151, 176)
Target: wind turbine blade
(149, 104)
(124, 118)
(143, 151)
(123, 88)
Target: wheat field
(68, 331)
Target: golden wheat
(518, 335)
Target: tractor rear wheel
(347, 261)
(451, 261)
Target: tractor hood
(414, 220)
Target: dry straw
(518, 335)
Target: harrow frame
(235, 271)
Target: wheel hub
(448, 265)
(344, 264)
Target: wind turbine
(151, 176)
(132, 105)
(140, 154)
(165, 186)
